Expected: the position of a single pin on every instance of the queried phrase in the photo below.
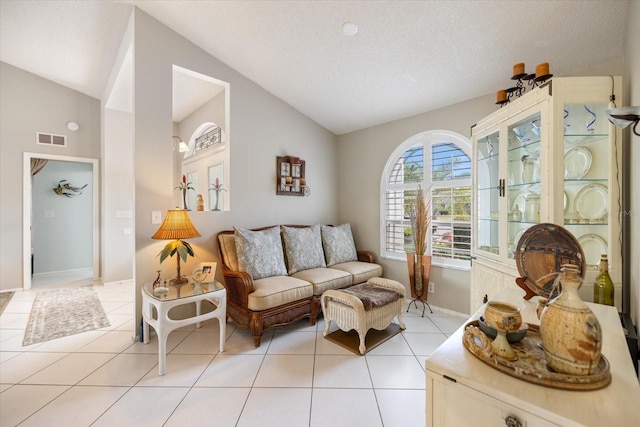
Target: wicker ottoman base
(348, 312)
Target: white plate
(577, 163)
(592, 202)
(519, 235)
(593, 246)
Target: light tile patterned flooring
(295, 378)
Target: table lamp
(176, 226)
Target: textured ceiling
(408, 57)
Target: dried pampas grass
(420, 219)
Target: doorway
(86, 236)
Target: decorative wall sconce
(504, 96)
(180, 144)
(625, 116)
(64, 188)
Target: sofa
(276, 275)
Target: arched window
(439, 160)
(205, 136)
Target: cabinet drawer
(453, 404)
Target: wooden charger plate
(531, 364)
(540, 254)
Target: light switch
(156, 217)
(48, 214)
(127, 231)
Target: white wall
(262, 127)
(30, 104)
(62, 227)
(117, 166)
(632, 97)
(117, 160)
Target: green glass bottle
(603, 286)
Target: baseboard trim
(119, 282)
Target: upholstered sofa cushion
(228, 253)
(276, 291)
(360, 271)
(338, 244)
(260, 252)
(303, 248)
(324, 278)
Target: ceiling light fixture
(349, 29)
(73, 126)
(625, 116)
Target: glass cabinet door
(488, 193)
(523, 178)
(586, 182)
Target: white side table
(176, 296)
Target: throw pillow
(338, 244)
(303, 247)
(260, 252)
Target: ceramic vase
(571, 334)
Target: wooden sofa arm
(239, 285)
(366, 256)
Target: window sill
(460, 265)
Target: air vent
(51, 139)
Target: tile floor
(295, 378)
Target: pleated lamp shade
(176, 226)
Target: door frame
(27, 215)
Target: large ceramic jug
(571, 334)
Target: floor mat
(61, 312)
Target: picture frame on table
(209, 268)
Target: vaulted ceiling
(407, 57)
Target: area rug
(5, 297)
(61, 312)
(351, 341)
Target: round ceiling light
(349, 29)
(73, 126)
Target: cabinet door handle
(512, 421)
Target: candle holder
(532, 81)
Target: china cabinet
(549, 156)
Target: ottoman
(373, 304)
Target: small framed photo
(208, 268)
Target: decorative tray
(531, 364)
